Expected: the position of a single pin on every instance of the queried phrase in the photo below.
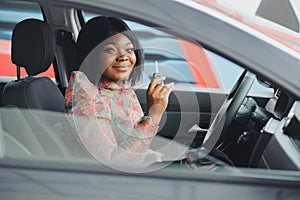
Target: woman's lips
(121, 68)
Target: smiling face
(117, 57)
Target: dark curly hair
(92, 34)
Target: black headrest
(33, 46)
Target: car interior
(250, 127)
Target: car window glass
(10, 14)
(182, 61)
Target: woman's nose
(122, 57)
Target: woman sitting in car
(111, 123)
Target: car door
(62, 178)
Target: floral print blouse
(110, 120)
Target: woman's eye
(129, 50)
(109, 50)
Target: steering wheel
(218, 133)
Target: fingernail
(170, 85)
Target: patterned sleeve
(139, 137)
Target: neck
(103, 79)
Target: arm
(135, 129)
(139, 138)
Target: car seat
(29, 125)
(33, 48)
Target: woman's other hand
(158, 98)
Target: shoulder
(131, 92)
(79, 83)
(78, 76)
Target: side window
(10, 14)
(182, 61)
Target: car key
(156, 74)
